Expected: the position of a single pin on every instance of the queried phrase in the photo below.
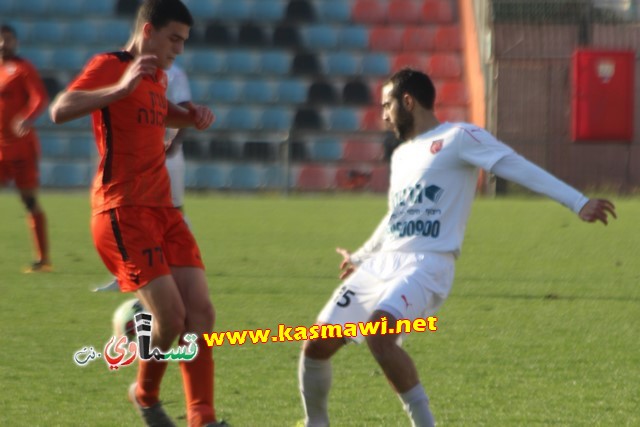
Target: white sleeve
(178, 89)
(373, 244)
(516, 168)
(479, 148)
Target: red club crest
(436, 146)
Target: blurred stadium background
(295, 83)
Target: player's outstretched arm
(597, 210)
(70, 105)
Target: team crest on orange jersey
(436, 146)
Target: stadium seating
(300, 11)
(322, 93)
(276, 119)
(344, 119)
(268, 10)
(353, 37)
(315, 177)
(291, 91)
(307, 118)
(369, 11)
(384, 38)
(333, 11)
(259, 91)
(404, 12)
(242, 62)
(275, 62)
(326, 149)
(306, 63)
(341, 63)
(409, 59)
(380, 178)
(372, 119)
(444, 65)
(235, 10)
(448, 38)
(356, 92)
(241, 117)
(452, 93)
(286, 35)
(223, 149)
(53, 146)
(82, 147)
(362, 151)
(438, 11)
(352, 177)
(70, 175)
(273, 177)
(319, 37)
(259, 151)
(376, 64)
(207, 176)
(419, 38)
(244, 177)
(252, 35)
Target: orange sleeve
(99, 72)
(38, 97)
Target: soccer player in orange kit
(141, 237)
(22, 99)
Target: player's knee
(169, 325)
(30, 202)
(321, 348)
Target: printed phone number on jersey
(424, 228)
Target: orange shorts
(138, 244)
(19, 163)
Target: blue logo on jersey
(415, 195)
(433, 193)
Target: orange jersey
(22, 96)
(129, 136)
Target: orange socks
(38, 224)
(150, 373)
(197, 377)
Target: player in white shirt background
(405, 270)
(179, 93)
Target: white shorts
(176, 168)
(406, 285)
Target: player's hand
(202, 116)
(346, 267)
(597, 210)
(142, 65)
(21, 127)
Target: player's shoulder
(469, 130)
(23, 64)
(115, 58)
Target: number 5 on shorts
(345, 298)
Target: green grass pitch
(541, 328)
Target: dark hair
(416, 84)
(160, 12)
(4, 28)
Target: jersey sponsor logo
(436, 146)
(433, 193)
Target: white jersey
(178, 91)
(432, 186)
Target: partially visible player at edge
(22, 99)
(405, 270)
(141, 238)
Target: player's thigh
(419, 287)
(353, 301)
(6, 172)
(130, 242)
(179, 245)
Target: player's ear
(407, 101)
(147, 30)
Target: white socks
(416, 403)
(314, 378)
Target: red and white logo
(436, 146)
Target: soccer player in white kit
(405, 270)
(179, 93)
